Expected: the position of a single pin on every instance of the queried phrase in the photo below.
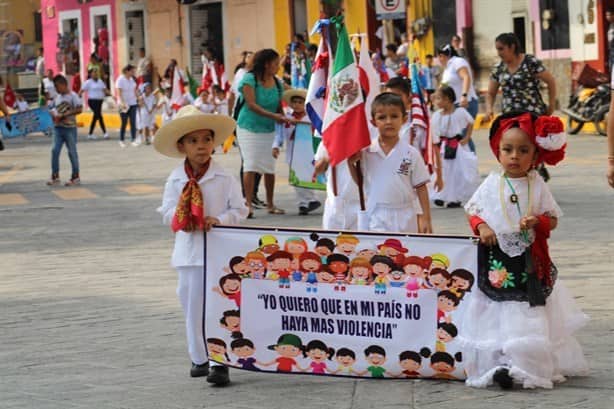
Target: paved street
(89, 317)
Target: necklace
(514, 199)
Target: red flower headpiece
(546, 132)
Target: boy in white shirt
(193, 135)
(203, 102)
(164, 105)
(295, 98)
(220, 100)
(65, 108)
(395, 177)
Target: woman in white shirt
(128, 105)
(96, 91)
(458, 76)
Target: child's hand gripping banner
(302, 164)
(328, 303)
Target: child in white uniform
(203, 102)
(295, 98)
(193, 135)
(459, 164)
(220, 101)
(340, 210)
(165, 106)
(395, 176)
(518, 328)
(147, 119)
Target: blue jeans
(68, 136)
(124, 118)
(472, 108)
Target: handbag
(505, 278)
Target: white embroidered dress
(536, 343)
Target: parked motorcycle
(590, 102)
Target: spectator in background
(456, 42)
(40, 63)
(49, 87)
(286, 63)
(256, 124)
(96, 91)
(393, 61)
(21, 105)
(128, 104)
(144, 68)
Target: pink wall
(51, 27)
(464, 15)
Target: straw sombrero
(294, 92)
(189, 119)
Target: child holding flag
(295, 98)
(395, 176)
(198, 195)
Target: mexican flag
(344, 129)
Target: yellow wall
(425, 45)
(19, 15)
(283, 25)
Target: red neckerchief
(190, 211)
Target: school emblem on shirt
(404, 167)
(344, 91)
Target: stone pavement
(89, 316)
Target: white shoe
(106, 136)
(122, 144)
(91, 136)
(135, 143)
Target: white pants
(340, 214)
(305, 196)
(191, 295)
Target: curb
(113, 121)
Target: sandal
(276, 210)
(250, 215)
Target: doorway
(135, 34)
(206, 30)
(101, 34)
(70, 48)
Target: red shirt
(283, 273)
(236, 297)
(285, 364)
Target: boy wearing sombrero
(295, 98)
(198, 195)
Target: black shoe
(503, 379)
(453, 205)
(1, 145)
(257, 203)
(438, 203)
(199, 370)
(303, 210)
(314, 205)
(218, 375)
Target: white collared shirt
(390, 180)
(222, 199)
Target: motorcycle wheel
(573, 126)
(601, 123)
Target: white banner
(330, 303)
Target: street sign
(390, 9)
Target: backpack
(241, 101)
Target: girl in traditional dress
(452, 127)
(518, 329)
